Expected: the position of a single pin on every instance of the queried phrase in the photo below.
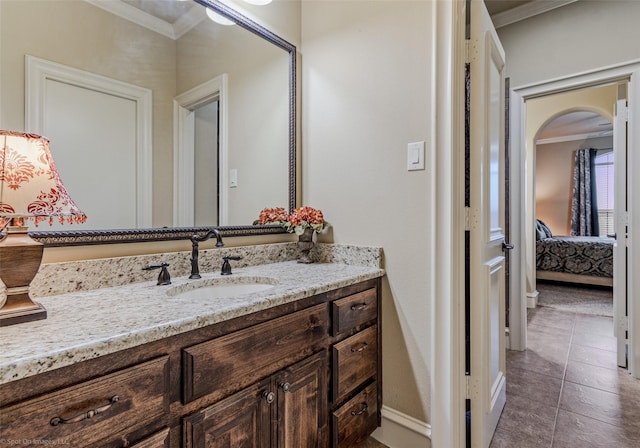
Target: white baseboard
(532, 299)
(399, 430)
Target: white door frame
(184, 106)
(447, 382)
(631, 71)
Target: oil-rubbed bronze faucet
(226, 266)
(163, 278)
(195, 240)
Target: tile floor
(566, 391)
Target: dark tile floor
(566, 391)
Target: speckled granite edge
(87, 275)
(348, 254)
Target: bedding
(577, 259)
(576, 255)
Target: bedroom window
(604, 188)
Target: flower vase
(305, 244)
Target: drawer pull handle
(85, 415)
(285, 387)
(362, 410)
(358, 307)
(361, 348)
(268, 396)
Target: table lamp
(30, 190)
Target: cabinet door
(239, 421)
(158, 440)
(302, 404)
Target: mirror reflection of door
(206, 190)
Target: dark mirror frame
(90, 237)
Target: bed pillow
(540, 234)
(545, 229)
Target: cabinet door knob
(268, 396)
(55, 421)
(285, 387)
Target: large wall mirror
(162, 121)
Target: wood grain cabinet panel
(94, 412)
(286, 410)
(302, 404)
(158, 440)
(356, 419)
(354, 361)
(231, 362)
(354, 310)
(242, 420)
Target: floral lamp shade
(30, 186)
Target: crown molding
(173, 31)
(527, 11)
(574, 137)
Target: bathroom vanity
(140, 365)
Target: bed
(575, 259)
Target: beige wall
(258, 110)
(98, 42)
(102, 43)
(366, 72)
(554, 162)
(582, 36)
(554, 181)
(539, 112)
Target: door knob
(506, 246)
(269, 397)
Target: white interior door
(487, 380)
(100, 132)
(620, 223)
(93, 142)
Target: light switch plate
(415, 156)
(233, 178)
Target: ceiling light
(218, 18)
(258, 2)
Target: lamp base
(17, 310)
(20, 258)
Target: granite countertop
(88, 324)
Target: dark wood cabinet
(286, 410)
(356, 368)
(105, 411)
(303, 374)
(301, 414)
(242, 420)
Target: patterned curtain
(584, 207)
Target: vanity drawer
(354, 310)
(356, 419)
(93, 412)
(231, 362)
(354, 361)
(157, 440)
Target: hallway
(565, 391)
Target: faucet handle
(163, 278)
(226, 266)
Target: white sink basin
(221, 288)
